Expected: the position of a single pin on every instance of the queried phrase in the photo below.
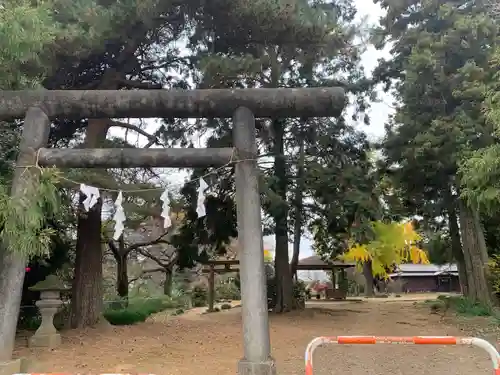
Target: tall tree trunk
(298, 207)
(87, 291)
(167, 284)
(122, 277)
(471, 281)
(456, 247)
(369, 279)
(475, 254)
(284, 282)
(121, 256)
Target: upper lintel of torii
(208, 103)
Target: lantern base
(50, 341)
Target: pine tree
(440, 57)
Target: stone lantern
(50, 289)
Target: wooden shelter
(230, 263)
(336, 267)
(315, 263)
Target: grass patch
(139, 309)
(460, 305)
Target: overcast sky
(378, 113)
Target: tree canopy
(391, 245)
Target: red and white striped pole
(415, 340)
(64, 373)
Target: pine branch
(150, 137)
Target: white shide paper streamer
(200, 204)
(91, 196)
(165, 209)
(119, 217)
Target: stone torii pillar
(243, 105)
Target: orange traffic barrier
(415, 340)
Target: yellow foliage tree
(393, 244)
(268, 256)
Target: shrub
(157, 304)
(117, 303)
(494, 274)
(199, 296)
(138, 310)
(227, 290)
(29, 322)
(125, 316)
(299, 294)
(226, 306)
(173, 303)
(463, 306)
(271, 293)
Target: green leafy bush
(126, 316)
(199, 296)
(463, 306)
(227, 290)
(29, 322)
(494, 274)
(138, 310)
(299, 289)
(150, 305)
(299, 294)
(271, 293)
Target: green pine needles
(24, 220)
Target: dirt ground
(196, 344)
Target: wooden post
(211, 287)
(12, 266)
(256, 342)
(343, 283)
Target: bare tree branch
(158, 240)
(152, 138)
(165, 64)
(139, 85)
(494, 8)
(144, 272)
(136, 246)
(154, 258)
(113, 248)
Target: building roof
(425, 270)
(428, 267)
(316, 263)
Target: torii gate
(243, 105)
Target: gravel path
(212, 344)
